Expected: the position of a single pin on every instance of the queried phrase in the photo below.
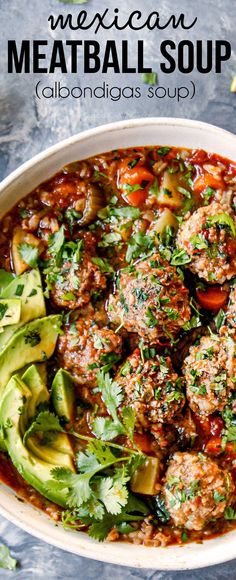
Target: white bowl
(162, 131)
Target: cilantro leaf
(106, 429)
(45, 421)
(56, 242)
(103, 265)
(111, 392)
(220, 319)
(29, 254)
(103, 452)
(134, 510)
(6, 560)
(138, 245)
(179, 258)
(126, 212)
(230, 514)
(113, 494)
(128, 416)
(3, 309)
(150, 78)
(78, 486)
(222, 219)
(82, 487)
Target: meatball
(150, 300)
(196, 490)
(79, 277)
(209, 372)
(151, 387)
(208, 237)
(84, 348)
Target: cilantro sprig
(6, 560)
(29, 254)
(108, 428)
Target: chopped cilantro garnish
(103, 265)
(3, 310)
(207, 194)
(32, 338)
(218, 497)
(29, 254)
(154, 189)
(219, 319)
(32, 293)
(163, 151)
(150, 319)
(6, 560)
(184, 192)
(150, 78)
(230, 514)
(133, 162)
(222, 219)
(179, 258)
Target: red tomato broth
(44, 211)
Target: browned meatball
(196, 490)
(79, 277)
(209, 372)
(84, 348)
(152, 388)
(207, 236)
(150, 299)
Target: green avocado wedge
(63, 395)
(35, 383)
(35, 471)
(28, 289)
(34, 342)
(10, 311)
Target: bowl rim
(107, 128)
(192, 555)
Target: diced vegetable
(213, 298)
(146, 477)
(207, 180)
(169, 194)
(166, 219)
(215, 447)
(134, 182)
(24, 240)
(95, 200)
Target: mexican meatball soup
(117, 346)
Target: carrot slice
(213, 298)
(130, 178)
(207, 180)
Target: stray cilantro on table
(150, 78)
(6, 560)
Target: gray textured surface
(28, 126)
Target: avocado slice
(34, 342)
(5, 279)
(35, 471)
(46, 452)
(63, 395)
(27, 288)
(10, 311)
(61, 442)
(33, 380)
(58, 445)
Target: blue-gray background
(29, 125)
